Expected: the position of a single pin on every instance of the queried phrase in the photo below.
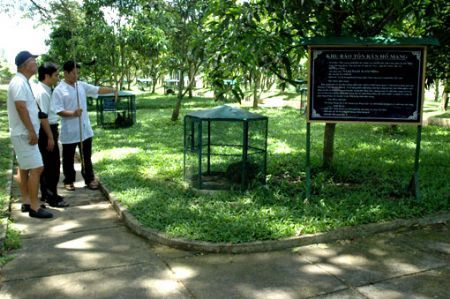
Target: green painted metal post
(265, 149)
(192, 135)
(414, 183)
(133, 108)
(185, 148)
(200, 137)
(209, 147)
(244, 178)
(308, 161)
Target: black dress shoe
(40, 213)
(57, 201)
(25, 208)
(58, 204)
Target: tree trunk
(330, 129)
(114, 65)
(129, 77)
(444, 103)
(328, 145)
(136, 70)
(282, 84)
(255, 96)
(256, 86)
(247, 81)
(154, 82)
(191, 79)
(436, 90)
(176, 110)
(122, 63)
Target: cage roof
(226, 113)
(120, 94)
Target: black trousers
(68, 162)
(51, 159)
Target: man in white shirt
(24, 119)
(48, 77)
(69, 98)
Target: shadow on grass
(169, 102)
(363, 153)
(168, 206)
(372, 169)
(285, 96)
(161, 201)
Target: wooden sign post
(367, 81)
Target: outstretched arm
(70, 113)
(103, 90)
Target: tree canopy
(247, 41)
(228, 39)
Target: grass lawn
(143, 167)
(5, 154)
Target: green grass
(5, 154)
(143, 167)
(12, 242)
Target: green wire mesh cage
(116, 113)
(225, 148)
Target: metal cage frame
(193, 142)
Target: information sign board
(366, 84)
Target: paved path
(86, 252)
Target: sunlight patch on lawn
(150, 172)
(280, 147)
(115, 153)
(441, 133)
(134, 196)
(372, 168)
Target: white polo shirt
(64, 97)
(20, 90)
(43, 94)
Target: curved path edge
(263, 246)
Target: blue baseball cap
(23, 56)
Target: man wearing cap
(48, 77)
(24, 119)
(69, 98)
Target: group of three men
(33, 115)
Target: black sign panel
(366, 84)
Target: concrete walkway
(86, 252)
